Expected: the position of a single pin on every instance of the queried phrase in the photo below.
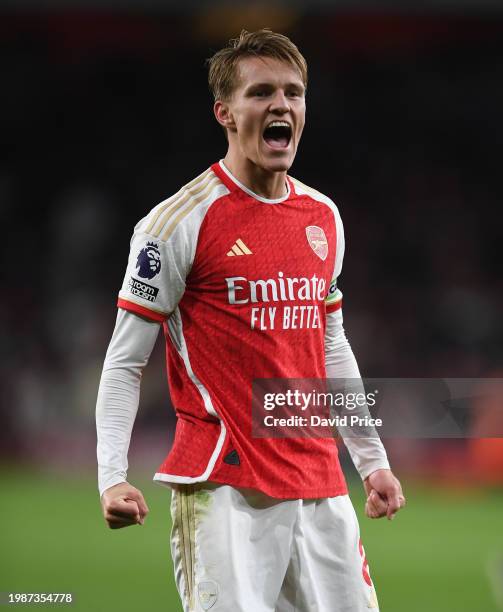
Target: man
(259, 524)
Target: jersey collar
(232, 182)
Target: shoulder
(185, 209)
(315, 195)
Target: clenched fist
(385, 496)
(123, 505)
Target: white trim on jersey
(175, 330)
(162, 478)
(252, 193)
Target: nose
(279, 103)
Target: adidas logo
(239, 248)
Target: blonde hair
(222, 77)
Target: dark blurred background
(105, 111)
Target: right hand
(123, 505)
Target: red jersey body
(242, 286)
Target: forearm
(116, 410)
(367, 453)
(118, 396)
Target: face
(266, 114)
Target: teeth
(278, 124)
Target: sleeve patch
(155, 274)
(142, 290)
(148, 262)
(334, 295)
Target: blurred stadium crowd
(103, 116)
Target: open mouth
(278, 134)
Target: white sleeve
(333, 301)
(163, 249)
(155, 275)
(128, 353)
(368, 454)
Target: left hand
(384, 494)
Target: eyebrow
(297, 85)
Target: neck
(265, 183)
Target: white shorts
(238, 550)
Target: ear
(223, 115)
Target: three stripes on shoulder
(165, 217)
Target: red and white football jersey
(242, 285)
